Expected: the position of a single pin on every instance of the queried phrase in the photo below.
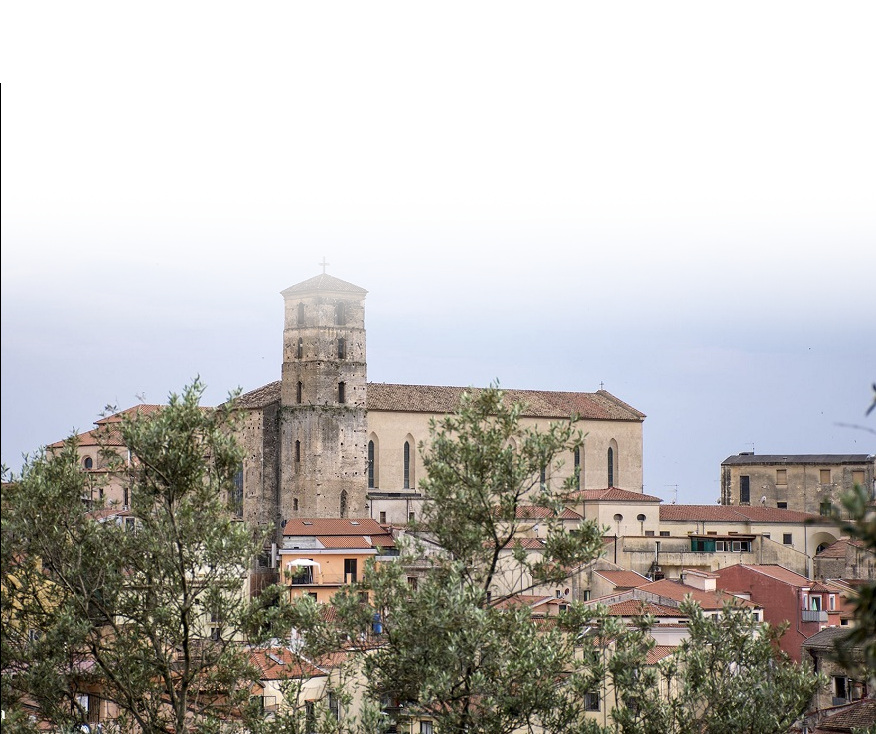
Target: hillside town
(335, 479)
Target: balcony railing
(814, 615)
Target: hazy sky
(677, 200)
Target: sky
(676, 201)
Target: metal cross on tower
(324, 264)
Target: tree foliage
(728, 675)
(147, 614)
(454, 646)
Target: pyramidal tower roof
(324, 282)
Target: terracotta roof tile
(623, 579)
(442, 399)
(600, 405)
(613, 494)
(332, 526)
(534, 512)
(858, 715)
(708, 600)
(278, 663)
(840, 548)
(356, 541)
(774, 571)
(658, 653)
(732, 513)
(638, 608)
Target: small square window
(782, 505)
(787, 539)
(824, 476)
(781, 476)
(664, 533)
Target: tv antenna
(674, 492)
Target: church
(323, 442)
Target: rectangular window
(412, 582)
(342, 392)
(383, 518)
(825, 508)
(719, 546)
(831, 602)
(342, 348)
(781, 476)
(350, 570)
(334, 705)
(787, 539)
(782, 505)
(736, 546)
(411, 517)
(664, 533)
(649, 533)
(839, 687)
(744, 490)
(426, 727)
(824, 476)
(591, 701)
(858, 477)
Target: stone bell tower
(323, 428)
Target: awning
(302, 562)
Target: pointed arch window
(577, 458)
(301, 314)
(407, 465)
(610, 466)
(299, 394)
(371, 465)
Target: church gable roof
(442, 399)
(600, 405)
(324, 282)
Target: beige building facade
(802, 482)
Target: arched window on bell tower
(300, 351)
(301, 314)
(343, 508)
(299, 393)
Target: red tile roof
(441, 399)
(533, 512)
(613, 494)
(733, 513)
(332, 526)
(278, 663)
(658, 653)
(708, 600)
(623, 579)
(356, 541)
(840, 548)
(772, 570)
(638, 608)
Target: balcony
(813, 615)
